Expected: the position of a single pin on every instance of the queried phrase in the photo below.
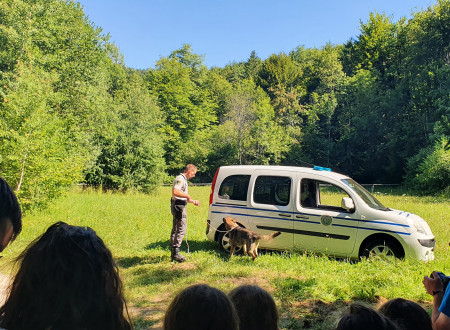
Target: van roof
(300, 169)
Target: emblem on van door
(326, 220)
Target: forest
(376, 108)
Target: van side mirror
(347, 204)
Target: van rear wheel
(224, 243)
(382, 248)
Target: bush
(429, 170)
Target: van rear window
(274, 190)
(234, 187)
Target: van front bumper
(421, 248)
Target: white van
(315, 210)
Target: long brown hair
(255, 307)
(201, 307)
(407, 314)
(67, 279)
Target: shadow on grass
(161, 253)
(194, 245)
(128, 262)
(289, 253)
(144, 277)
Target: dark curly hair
(9, 210)
(360, 316)
(67, 279)
(201, 307)
(255, 307)
(407, 314)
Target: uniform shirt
(181, 184)
(445, 304)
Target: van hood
(413, 220)
(407, 219)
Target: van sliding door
(271, 207)
(320, 223)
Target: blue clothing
(445, 304)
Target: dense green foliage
(70, 111)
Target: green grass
(310, 290)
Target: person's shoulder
(179, 179)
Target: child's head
(406, 314)
(362, 317)
(201, 307)
(10, 215)
(67, 279)
(255, 307)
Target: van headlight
(429, 243)
(418, 225)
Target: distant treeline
(376, 108)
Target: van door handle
(302, 217)
(284, 215)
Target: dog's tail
(271, 236)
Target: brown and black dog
(248, 239)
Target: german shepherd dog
(248, 239)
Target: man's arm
(177, 193)
(434, 287)
(442, 322)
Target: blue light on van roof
(320, 168)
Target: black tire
(224, 242)
(382, 248)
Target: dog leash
(186, 236)
(221, 231)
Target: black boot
(176, 256)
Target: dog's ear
(224, 220)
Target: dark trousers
(178, 209)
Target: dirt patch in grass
(150, 317)
(311, 314)
(237, 281)
(184, 266)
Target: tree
(36, 152)
(131, 155)
(250, 120)
(429, 171)
(179, 82)
(50, 95)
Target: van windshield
(365, 195)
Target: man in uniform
(180, 198)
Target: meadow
(310, 290)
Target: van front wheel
(381, 248)
(224, 243)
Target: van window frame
(273, 194)
(221, 193)
(317, 197)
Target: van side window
(321, 195)
(331, 196)
(308, 193)
(274, 190)
(234, 187)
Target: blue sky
(228, 30)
